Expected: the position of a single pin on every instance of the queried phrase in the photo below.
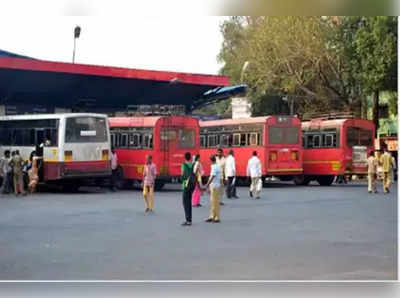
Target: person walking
(215, 191)
(198, 171)
(187, 170)
(220, 159)
(114, 170)
(5, 170)
(230, 175)
(254, 172)
(372, 163)
(386, 163)
(33, 172)
(17, 164)
(149, 177)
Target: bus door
(169, 138)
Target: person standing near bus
(198, 171)
(372, 163)
(5, 170)
(254, 172)
(17, 164)
(215, 190)
(386, 163)
(114, 170)
(230, 173)
(187, 170)
(33, 172)
(220, 159)
(149, 177)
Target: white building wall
(241, 107)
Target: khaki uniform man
(220, 159)
(372, 162)
(386, 163)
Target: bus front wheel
(301, 180)
(325, 180)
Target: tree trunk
(375, 110)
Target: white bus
(75, 146)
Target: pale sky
(171, 43)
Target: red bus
(166, 138)
(277, 140)
(335, 147)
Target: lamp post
(77, 33)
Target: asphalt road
(291, 233)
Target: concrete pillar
(241, 107)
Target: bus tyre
(159, 185)
(325, 180)
(301, 180)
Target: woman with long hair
(198, 171)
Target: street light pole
(77, 33)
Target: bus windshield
(85, 130)
(283, 135)
(359, 137)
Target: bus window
(85, 129)
(329, 141)
(365, 137)
(254, 139)
(134, 141)
(212, 141)
(275, 135)
(224, 140)
(352, 136)
(112, 135)
(292, 135)
(168, 135)
(147, 141)
(124, 141)
(203, 141)
(186, 138)
(236, 139)
(316, 141)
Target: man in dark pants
(114, 169)
(187, 168)
(230, 173)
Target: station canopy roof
(25, 80)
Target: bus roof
(143, 120)
(262, 119)
(50, 116)
(336, 122)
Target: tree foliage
(326, 63)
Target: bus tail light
(294, 155)
(272, 155)
(104, 154)
(68, 155)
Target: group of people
(387, 162)
(222, 179)
(19, 176)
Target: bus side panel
(132, 162)
(323, 161)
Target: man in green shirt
(187, 168)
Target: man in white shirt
(214, 182)
(114, 169)
(220, 160)
(254, 172)
(230, 174)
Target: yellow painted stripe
(320, 161)
(284, 170)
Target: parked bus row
(79, 146)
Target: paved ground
(337, 232)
